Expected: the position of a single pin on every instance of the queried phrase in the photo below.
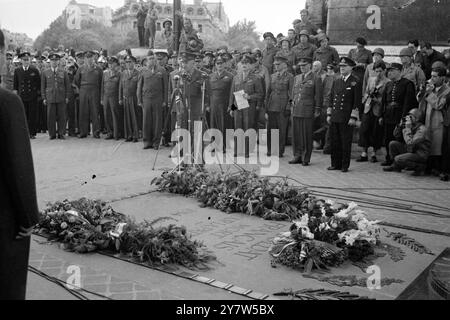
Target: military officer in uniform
(110, 100)
(27, 84)
(325, 53)
(7, 76)
(128, 98)
(152, 97)
(362, 57)
(343, 114)
(278, 107)
(193, 89)
(252, 84)
(304, 49)
(410, 70)
(218, 96)
(269, 52)
(163, 60)
(72, 106)
(80, 58)
(55, 89)
(307, 103)
(398, 99)
(89, 81)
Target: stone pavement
(121, 172)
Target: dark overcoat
(18, 203)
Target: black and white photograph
(230, 158)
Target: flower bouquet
(326, 236)
(85, 225)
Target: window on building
(158, 26)
(168, 10)
(200, 28)
(200, 11)
(91, 11)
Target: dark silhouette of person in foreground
(18, 203)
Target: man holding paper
(246, 98)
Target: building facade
(382, 22)
(76, 13)
(17, 40)
(206, 17)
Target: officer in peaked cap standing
(245, 119)
(55, 87)
(343, 114)
(152, 97)
(217, 97)
(110, 100)
(27, 84)
(278, 97)
(129, 100)
(89, 81)
(307, 102)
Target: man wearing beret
(89, 81)
(152, 97)
(398, 99)
(411, 71)
(55, 89)
(110, 100)
(27, 84)
(217, 97)
(269, 52)
(362, 57)
(307, 103)
(278, 106)
(343, 114)
(325, 53)
(253, 87)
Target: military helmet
(380, 51)
(304, 33)
(406, 52)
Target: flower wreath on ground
(327, 236)
(86, 225)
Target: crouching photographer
(411, 153)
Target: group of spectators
(298, 84)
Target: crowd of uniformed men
(296, 84)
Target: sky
(34, 16)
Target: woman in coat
(18, 203)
